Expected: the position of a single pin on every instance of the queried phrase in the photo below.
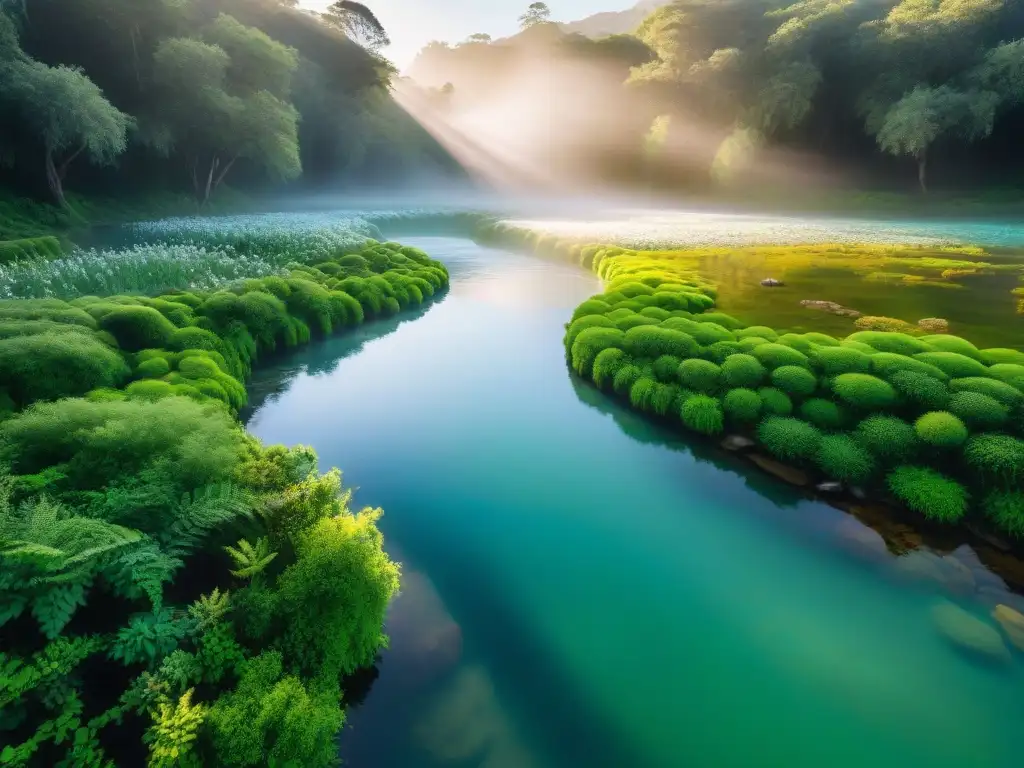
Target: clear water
(584, 589)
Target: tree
(68, 113)
(223, 101)
(358, 23)
(925, 114)
(479, 37)
(536, 13)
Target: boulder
(782, 471)
(1012, 623)
(737, 443)
(969, 633)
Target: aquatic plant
(742, 406)
(941, 429)
(788, 438)
(842, 458)
(929, 493)
(703, 414)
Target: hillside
(614, 22)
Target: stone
(948, 572)
(782, 471)
(858, 493)
(969, 633)
(829, 486)
(737, 443)
(771, 282)
(831, 307)
(933, 325)
(1012, 623)
(863, 540)
(957, 577)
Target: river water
(581, 588)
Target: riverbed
(582, 588)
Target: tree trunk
(224, 172)
(922, 171)
(55, 181)
(134, 34)
(208, 188)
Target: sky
(411, 24)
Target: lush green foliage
(940, 429)
(841, 457)
(703, 414)
(742, 406)
(928, 492)
(789, 438)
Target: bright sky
(411, 24)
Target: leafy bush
(998, 390)
(776, 402)
(742, 406)
(700, 375)
(842, 458)
(757, 331)
(978, 411)
(788, 438)
(833, 361)
(1006, 510)
(581, 324)
(153, 368)
(653, 342)
(954, 365)
(824, 414)
(998, 356)
(897, 343)
(591, 342)
(946, 343)
(742, 370)
(864, 391)
(777, 355)
(625, 378)
(888, 438)
(641, 392)
(794, 380)
(137, 328)
(940, 429)
(997, 458)
(663, 400)
(886, 365)
(920, 390)
(665, 369)
(929, 493)
(606, 365)
(703, 414)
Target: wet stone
(782, 471)
(969, 633)
(1012, 622)
(737, 443)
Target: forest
(869, 94)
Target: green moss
(653, 342)
(999, 356)
(153, 368)
(947, 343)
(842, 458)
(788, 438)
(824, 414)
(954, 365)
(606, 365)
(776, 402)
(886, 365)
(998, 390)
(997, 458)
(897, 343)
(741, 370)
(833, 361)
(742, 406)
(1006, 510)
(624, 378)
(941, 429)
(700, 375)
(888, 438)
(591, 307)
(978, 411)
(137, 328)
(929, 493)
(703, 414)
(774, 355)
(1011, 373)
(925, 392)
(641, 393)
(794, 380)
(589, 343)
(149, 389)
(707, 334)
(757, 331)
(663, 399)
(864, 392)
(666, 367)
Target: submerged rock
(970, 633)
(771, 282)
(737, 443)
(948, 572)
(831, 307)
(829, 486)
(1012, 623)
(782, 471)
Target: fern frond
(142, 571)
(54, 608)
(201, 512)
(210, 609)
(250, 560)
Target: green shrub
(666, 368)
(751, 343)
(624, 379)
(886, 365)
(897, 343)
(641, 392)
(941, 429)
(776, 402)
(703, 414)
(998, 356)
(794, 380)
(821, 340)
(728, 322)
(954, 365)
(700, 375)
(589, 343)
(47, 366)
(998, 390)
(997, 458)
(888, 438)
(824, 414)
(922, 391)
(707, 334)
(720, 351)
(655, 313)
(196, 367)
(978, 411)
(789, 439)
(1011, 373)
(153, 368)
(842, 458)
(757, 331)
(606, 365)
(137, 328)
(863, 391)
(149, 389)
(590, 307)
(946, 343)
(635, 320)
(1006, 510)
(833, 361)
(663, 399)
(775, 355)
(653, 342)
(742, 406)
(929, 493)
(742, 370)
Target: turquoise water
(581, 588)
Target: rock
(970, 634)
(957, 577)
(771, 282)
(1012, 623)
(737, 443)
(952, 575)
(858, 493)
(829, 486)
(865, 540)
(831, 307)
(782, 471)
(988, 538)
(933, 325)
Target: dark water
(582, 589)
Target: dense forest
(117, 97)
(857, 92)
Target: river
(581, 588)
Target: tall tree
(536, 13)
(358, 22)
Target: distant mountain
(614, 22)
